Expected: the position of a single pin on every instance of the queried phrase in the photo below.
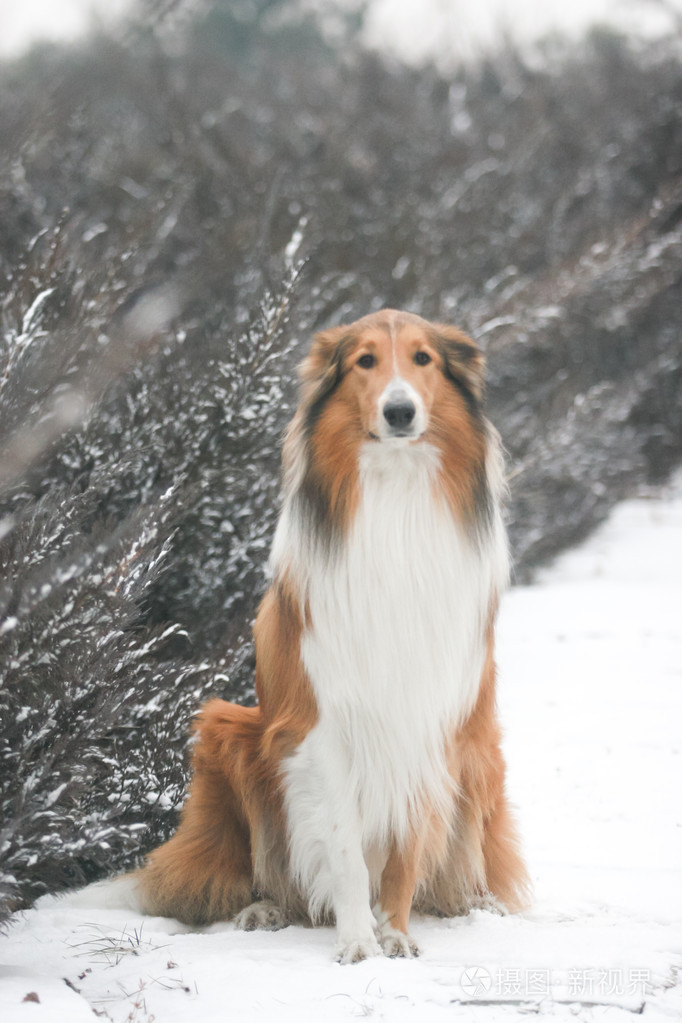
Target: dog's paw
(394, 943)
(261, 916)
(489, 904)
(357, 950)
(397, 945)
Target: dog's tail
(113, 893)
(204, 873)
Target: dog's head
(389, 382)
(394, 374)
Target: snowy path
(591, 678)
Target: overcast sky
(414, 29)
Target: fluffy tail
(204, 873)
(114, 893)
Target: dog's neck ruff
(396, 636)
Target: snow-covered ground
(591, 696)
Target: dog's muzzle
(401, 412)
(399, 416)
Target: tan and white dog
(369, 778)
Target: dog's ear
(323, 368)
(320, 373)
(463, 362)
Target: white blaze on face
(397, 398)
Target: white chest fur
(395, 647)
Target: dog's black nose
(399, 414)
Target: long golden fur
(235, 843)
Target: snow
(295, 242)
(590, 675)
(31, 317)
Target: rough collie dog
(369, 779)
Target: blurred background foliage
(183, 203)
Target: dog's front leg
(325, 844)
(398, 883)
(355, 922)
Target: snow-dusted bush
(156, 216)
(99, 677)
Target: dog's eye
(422, 358)
(366, 361)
